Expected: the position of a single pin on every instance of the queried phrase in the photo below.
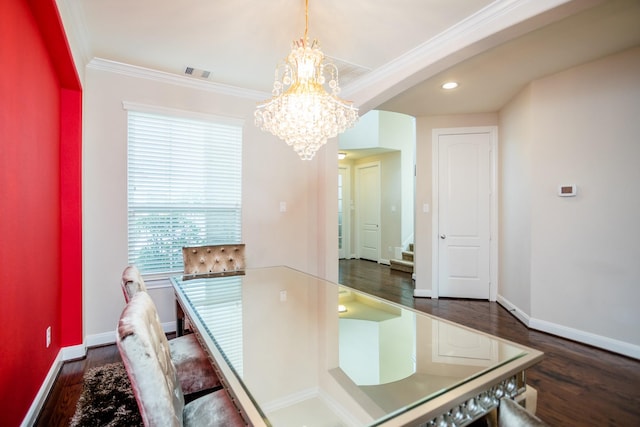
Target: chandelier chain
(306, 21)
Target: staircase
(406, 263)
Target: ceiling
(391, 55)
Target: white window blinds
(184, 187)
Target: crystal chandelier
(301, 112)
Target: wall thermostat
(567, 190)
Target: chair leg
(179, 320)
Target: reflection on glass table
(297, 350)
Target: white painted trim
(610, 344)
(384, 261)
(339, 408)
(493, 208)
(422, 293)
(105, 338)
(168, 327)
(76, 33)
(495, 212)
(411, 238)
(411, 67)
(347, 203)
(435, 218)
(74, 352)
(605, 343)
(164, 77)
(290, 399)
(176, 112)
(510, 307)
(38, 402)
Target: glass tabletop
(310, 352)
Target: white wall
(514, 277)
(390, 202)
(395, 131)
(303, 237)
(578, 127)
(398, 131)
(365, 134)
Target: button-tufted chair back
(195, 372)
(145, 353)
(213, 258)
(132, 282)
(147, 357)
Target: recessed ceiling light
(449, 85)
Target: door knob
(443, 236)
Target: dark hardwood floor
(63, 397)
(577, 385)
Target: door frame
(346, 211)
(493, 205)
(358, 207)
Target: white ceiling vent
(348, 72)
(194, 72)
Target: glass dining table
(296, 350)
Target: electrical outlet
(48, 336)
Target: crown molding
(76, 33)
(409, 68)
(164, 77)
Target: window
(184, 186)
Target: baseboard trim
(73, 352)
(38, 402)
(605, 343)
(422, 293)
(514, 310)
(169, 326)
(106, 338)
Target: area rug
(107, 399)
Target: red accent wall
(71, 217)
(40, 200)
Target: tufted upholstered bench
(213, 258)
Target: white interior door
(368, 210)
(463, 231)
(344, 212)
